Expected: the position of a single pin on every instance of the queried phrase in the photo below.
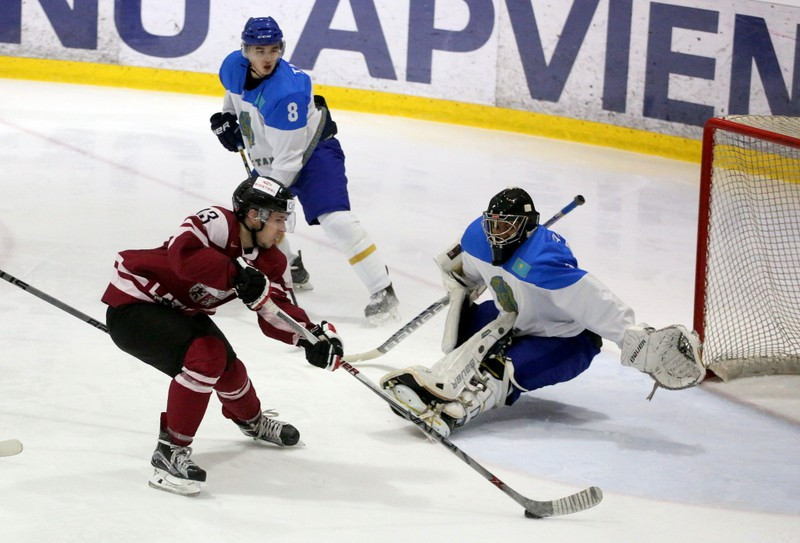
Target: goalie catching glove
(671, 356)
(328, 351)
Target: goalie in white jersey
(543, 326)
(270, 110)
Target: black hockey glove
(328, 351)
(226, 127)
(252, 286)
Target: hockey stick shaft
(577, 201)
(440, 304)
(49, 299)
(245, 162)
(401, 334)
(535, 509)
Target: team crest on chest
(246, 124)
(505, 296)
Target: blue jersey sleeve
(545, 260)
(474, 242)
(233, 71)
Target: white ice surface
(88, 171)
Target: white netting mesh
(752, 301)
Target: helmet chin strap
(254, 231)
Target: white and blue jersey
(280, 124)
(543, 284)
(278, 118)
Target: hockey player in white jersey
(270, 110)
(543, 326)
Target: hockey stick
(250, 174)
(401, 334)
(573, 503)
(534, 509)
(439, 304)
(245, 162)
(577, 201)
(49, 299)
(10, 447)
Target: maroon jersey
(193, 271)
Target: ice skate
(382, 306)
(300, 276)
(174, 471)
(267, 428)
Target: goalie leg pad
(445, 380)
(460, 365)
(671, 355)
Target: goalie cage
(747, 283)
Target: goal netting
(747, 290)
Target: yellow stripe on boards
(384, 103)
(362, 255)
(756, 162)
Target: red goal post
(747, 282)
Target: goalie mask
(264, 195)
(509, 220)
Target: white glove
(671, 355)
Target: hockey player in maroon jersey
(159, 305)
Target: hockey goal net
(747, 285)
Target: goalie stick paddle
(439, 304)
(574, 503)
(10, 447)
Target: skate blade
(161, 480)
(303, 286)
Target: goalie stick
(439, 304)
(10, 447)
(574, 503)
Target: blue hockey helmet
(261, 31)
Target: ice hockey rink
(88, 171)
